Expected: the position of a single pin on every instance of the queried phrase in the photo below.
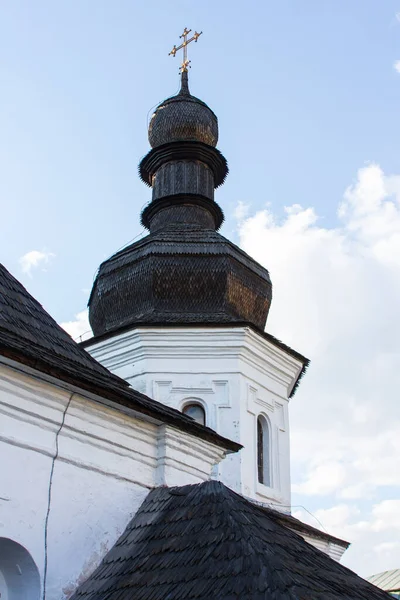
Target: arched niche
(19, 575)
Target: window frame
(264, 451)
(195, 402)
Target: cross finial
(185, 63)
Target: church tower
(181, 313)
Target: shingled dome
(183, 117)
(184, 271)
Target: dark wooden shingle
(204, 542)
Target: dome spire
(184, 91)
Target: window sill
(266, 492)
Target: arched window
(19, 576)
(263, 451)
(196, 411)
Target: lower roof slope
(27, 328)
(29, 335)
(204, 541)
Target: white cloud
(322, 479)
(336, 298)
(387, 547)
(386, 515)
(34, 259)
(374, 535)
(79, 329)
(397, 66)
(342, 520)
(241, 211)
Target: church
(152, 461)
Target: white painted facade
(330, 547)
(108, 459)
(234, 373)
(84, 464)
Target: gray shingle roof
(204, 541)
(27, 328)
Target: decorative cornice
(181, 343)
(177, 199)
(184, 151)
(115, 337)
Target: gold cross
(185, 64)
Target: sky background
(307, 95)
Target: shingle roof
(26, 327)
(204, 541)
(179, 273)
(29, 335)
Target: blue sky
(306, 93)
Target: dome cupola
(184, 271)
(183, 118)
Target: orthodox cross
(185, 64)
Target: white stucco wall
(331, 548)
(234, 373)
(107, 463)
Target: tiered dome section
(184, 271)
